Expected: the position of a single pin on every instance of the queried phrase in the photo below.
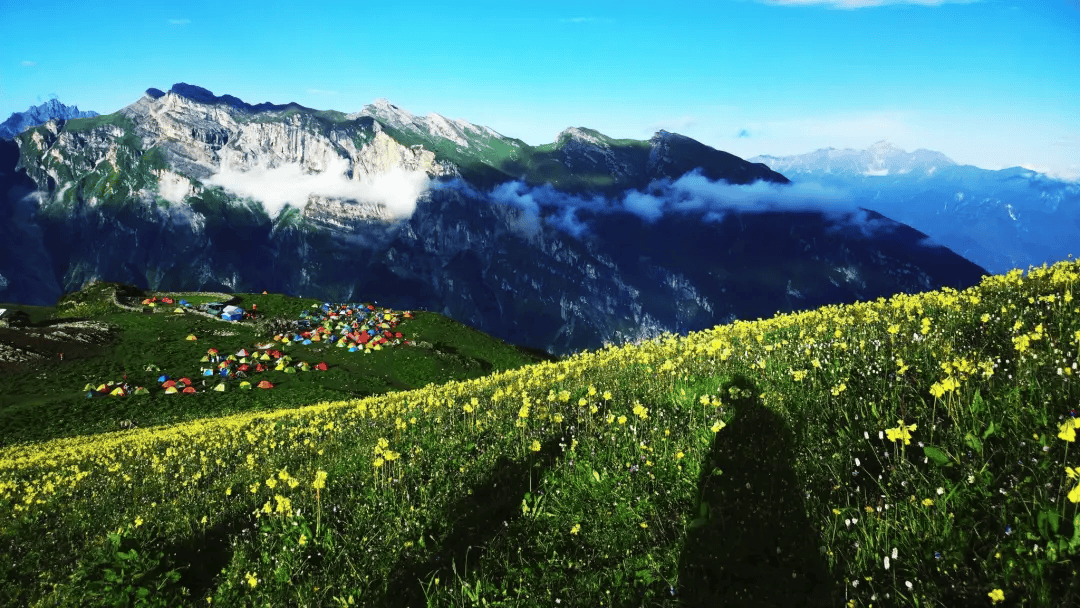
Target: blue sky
(993, 83)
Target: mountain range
(1005, 219)
(569, 245)
(39, 115)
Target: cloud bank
(691, 193)
(397, 190)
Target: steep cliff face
(188, 190)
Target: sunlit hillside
(915, 451)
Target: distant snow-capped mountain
(39, 115)
(878, 160)
(1005, 219)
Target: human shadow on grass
(480, 519)
(751, 543)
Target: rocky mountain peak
(582, 135)
(39, 115)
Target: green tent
(141, 391)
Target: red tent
(167, 300)
(397, 334)
(211, 351)
(185, 380)
(168, 383)
(364, 337)
(245, 367)
(259, 367)
(321, 366)
(265, 384)
(275, 354)
(190, 389)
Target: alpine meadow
(916, 450)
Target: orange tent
(169, 384)
(189, 390)
(265, 384)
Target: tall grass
(915, 451)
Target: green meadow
(915, 451)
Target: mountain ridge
(528, 243)
(1003, 219)
(40, 114)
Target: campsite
(135, 344)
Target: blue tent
(208, 372)
(232, 313)
(162, 379)
(352, 349)
(307, 342)
(184, 303)
(224, 372)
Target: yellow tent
(245, 384)
(178, 310)
(102, 388)
(88, 388)
(265, 357)
(118, 392)
(171, 390)
(191, 337)
(220, 388)
(315, 338)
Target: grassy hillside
(44, 399)
(910, 452)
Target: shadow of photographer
(751, 543)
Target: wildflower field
(916, 451)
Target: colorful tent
(265, 384)
(118, 392)
(191, 337)
(102, 388)
(232, 313)
(321, 366)
(290, 370)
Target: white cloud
(853, 4)
(691, 193)
(179, 21)
(28, 64)
(321, 92)
(397, 190)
